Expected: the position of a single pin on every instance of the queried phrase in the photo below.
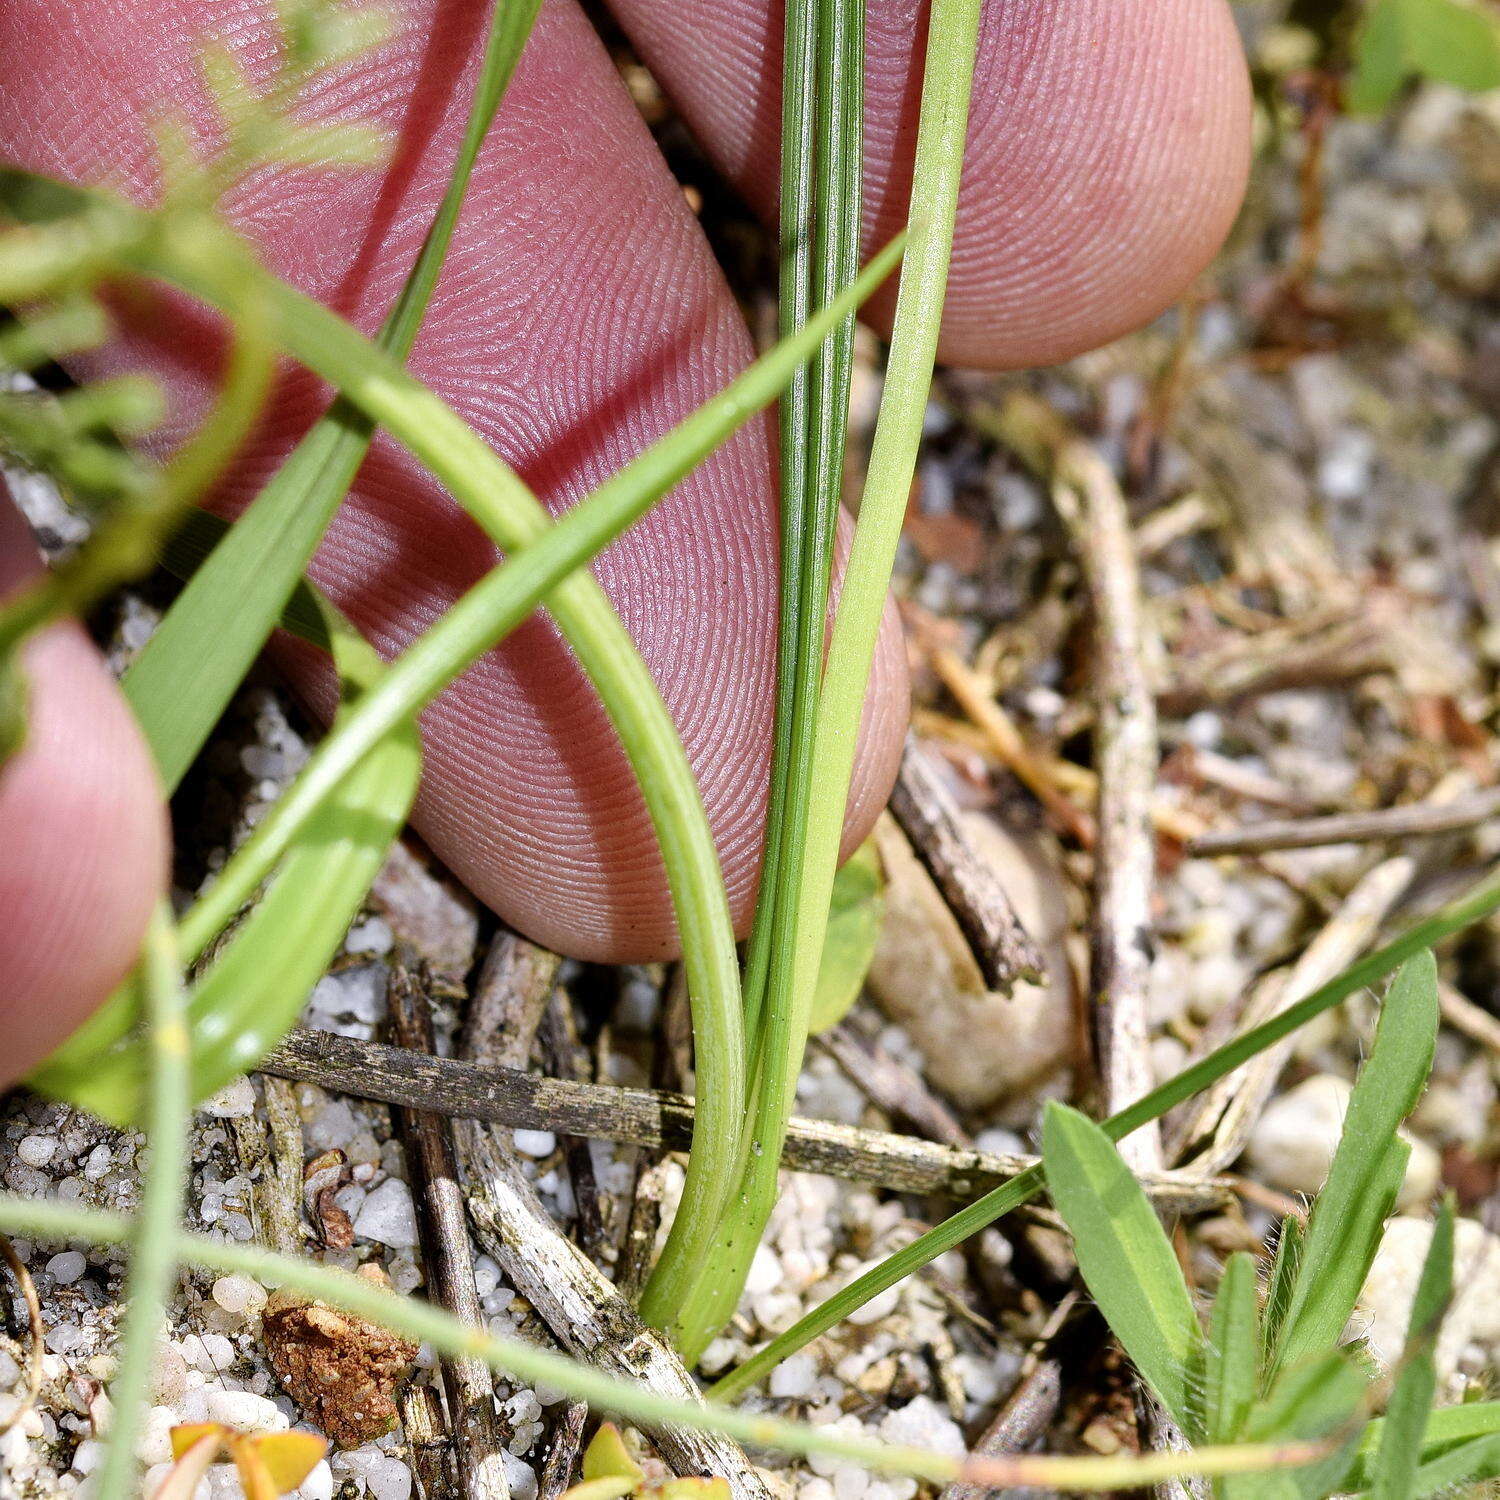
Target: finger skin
(1108, 147)
(579, 317)
(83, 834)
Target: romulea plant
(257, 940)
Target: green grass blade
(184, 677)
(1466, 1464)
(1448, 1428)
(256, 986)
(1399, 1455)
(154, 1241)
(948, 75)
(1124, 1255)
(1231, 1367)
(1343, 1230)
(1329, 1280)
(1474, 905)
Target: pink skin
(581, 315)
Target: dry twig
(1002, 947)
(642, 1117)
(1437, 816)
(428, 1140)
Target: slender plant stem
(156, 1225)
(1473, 906)
(181, 682)
(951, 45)
(422, 1322)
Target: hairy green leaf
(1232, 1359)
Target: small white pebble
(88, 1455)
(388, 1216)
(319, 1483)
(519, 1476)
(67, 1267)
(245, 1410)
(239, 1294)
(373, 935)
(234, 1102)
(537, 1143)
(794, 1378)
(36, 1150)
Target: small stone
(246, 1411)
(67, 1267)
(519, 1476)
(319, 1483)
(979, 1045)
(373, 935)
(234, 1102)
(535, 1143)
(795, 1378)
(239, 1294)
(388, 1216)
(922, 1423)
(36, 1150)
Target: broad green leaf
(1343, 1231)
(1399, 1456)
(1124, 1255)
(1232, 1359)
(849, 944)
(1309, 1401)
(1447, 41)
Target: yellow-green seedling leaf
(1124, 1256)
(270, 1464)
(608, 1487)
(853, 930)
(1447, 41)
(607, 1457)
(275, 1463)
(692, 1489)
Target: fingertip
(83, 839)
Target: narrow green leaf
(1448, 1428)
(1343, 1231)
(1232, 1359)
(849, 944)
(182, 681)
(1399, 1456)
(1124, 1255)
(1308, 1401)
(1465, 1464)
(1284, 1266)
